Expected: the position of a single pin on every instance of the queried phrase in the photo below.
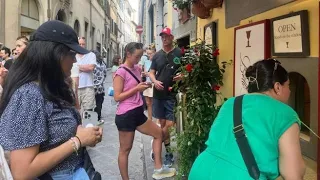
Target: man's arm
(87, 67)
(91, 64)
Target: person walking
(269, 125)
(130, 114)
(165, 64)
(99, 76)
(39, 123)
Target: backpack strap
(242, 139)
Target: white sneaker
(164, 172)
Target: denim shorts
(163, 109)
(70, 174)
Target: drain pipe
(91, 33)
(49, 10)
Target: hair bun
(250, 72)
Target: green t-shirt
(114, 68)
(265, 120)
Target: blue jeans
(70, 174)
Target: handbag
(242, 139)
(88, 166)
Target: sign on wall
(252, 43)
(290, 35)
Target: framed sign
(210, 33)
(290, 35)
(252, 43)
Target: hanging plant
(200, 10)
(212, 3)
(180, 4)
(201, 82)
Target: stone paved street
(105, 155)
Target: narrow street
(105, 154)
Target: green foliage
(202, 78)
(181, 4)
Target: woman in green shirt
(271, 126)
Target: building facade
(89, 18)
(220, 27)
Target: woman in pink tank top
(130, 112)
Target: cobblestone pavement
(105, 154)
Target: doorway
(300, 101)
(184, 42)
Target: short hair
(116, 59)
(6, 50)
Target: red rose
(182, 50)
(216, 53)
(189, 67)
(169, 89)
(215, 88)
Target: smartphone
(90, 119)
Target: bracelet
(74, 146)
(76, 143)
(79, 140)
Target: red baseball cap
(166, 31)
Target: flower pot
(200, 10)
(212, 3)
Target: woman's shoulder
(29, 89)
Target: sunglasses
(276, 63)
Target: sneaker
(168, 159)
(164, 172)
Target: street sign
(139, 29)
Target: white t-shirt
(75, 70)
(86, 78)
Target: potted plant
(212, 3)
(198, 9)
(201, 80)
(183, 9)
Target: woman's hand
(89, 136)
(143, 86)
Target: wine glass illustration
(248, 37)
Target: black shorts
(130, 120)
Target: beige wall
(12, 19)
(13, 11)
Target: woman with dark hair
(99, 76)
(130, 116)
(39, 123)
(116, 64)
(270, 126)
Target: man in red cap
(165, 64)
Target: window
(77, 27)
(29, 8)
